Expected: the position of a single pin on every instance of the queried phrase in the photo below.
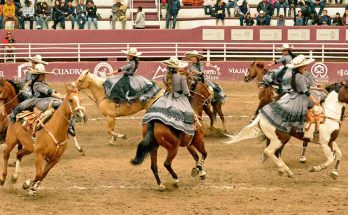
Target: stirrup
(316, 136)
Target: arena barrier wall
(225, 71)
(233, 34)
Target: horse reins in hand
(205, 100)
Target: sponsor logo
(2, 74)
(103, 68)
(237, 71)
(211, 71)
(58, 71)
(320, 72)
(159, 73)
(342, 72)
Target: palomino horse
(108, 107)
(328, 132)
(157, 133)
(266, 95)
(49, 144)
(9, 95)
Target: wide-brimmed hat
(194, 53)
(38, 70)
(36, 59)
(299, 61)
(285, 47)
(132, 52)
(174, 62)
(240, 2)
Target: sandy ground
(104, 182)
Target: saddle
(315, 116)
(34, 120)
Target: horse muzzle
(79, 114)
(247, 79)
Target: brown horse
(108, 107)
(158, 134)
(49, 144)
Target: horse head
(255, 69)
(343, 93)
(202, 95)
(77, 110)
(3, 90)
(83, 81)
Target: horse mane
(17, 85)
(260, 65)
(98, 80)
(334, 87)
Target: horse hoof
(194, 172)
(313, 169)
(334, 175)
(12, 164)
(26, 185)
(303, 159)
(111, 143)
(161, 187)
(13, 180)
(202, 177)
(82, 152)
(280, 172)
(124, 137)
(2, 182)
(32, 192)
(176, 183)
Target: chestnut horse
(49, 144)
(9, 95)
(108, 107)
(158, 134)
(328, 132)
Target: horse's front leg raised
(111, 130)
(338, 156)
(72, 133)
(328, 154)
(20, 154)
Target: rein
(94, 100)
(205, 100)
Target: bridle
(78, 84)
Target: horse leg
(20, 155)
(221, 114)
(270, 151)
(19, 148)
(171, 153)
(72, 133)
(154, 169)
(7, 151)
(36, 182)
(207, 110)
(111, 130)
(338, 154)
(191, 149)
(329, 156)
(198, 142)
(303, 152)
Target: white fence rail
(212, 51)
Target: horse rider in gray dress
(174, 108)
(290, 110)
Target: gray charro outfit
(280, 77)
(128, 87)
(42, 99)
(320, 95)
(291, 109)
(25, 93)
(174, 108)
(219, 94)
(284, 60)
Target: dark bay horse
(49, 144)
(158, 134)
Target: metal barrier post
(224, 51)
(273, 52)
(176, 49)
(29, 51)
(208, 55)
(78, 52)
(322, 53)
(310, 54)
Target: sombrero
(132, 52)
(299, 61)
(36, 59)
(285, 47)
(194, 53)
(39, 69)
(174, 62)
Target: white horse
(328, 132)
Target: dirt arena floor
(104, 181)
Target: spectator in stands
(81, 12)
(241, 10)
(48, 14)
(119, 14)
(318, 3)
(299, 19)
(249, 21)
(325, 19)
(140, 19)
(42, 12)
(9, 13)
(337, 20)
(292, 7)
(207, 5)
(262, 19)
(220, 8)
(58, 14)
(229, 4)
(336, 1)
(306, 9)
(279, 4)
(1, 6)
(281, 20)
(173, 7)
(27, 14)
(92, 14)
(70, 14)
(266, 8)
(345, 17)
(313, 19)
(9, 48)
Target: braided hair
(295, 71)
(293, 55)
(136, 61)
(169, 79)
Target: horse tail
(146, 145)
(250, 131)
